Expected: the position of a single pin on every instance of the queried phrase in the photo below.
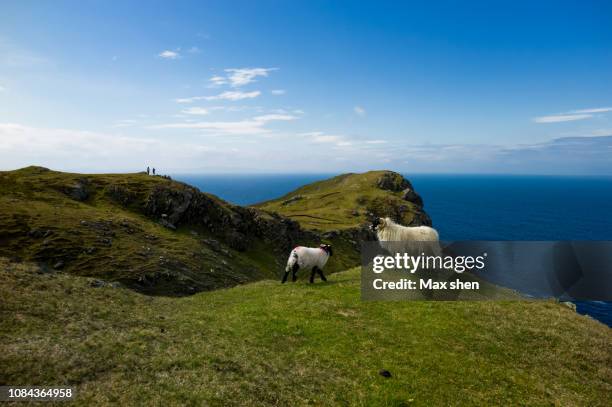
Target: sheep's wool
(422, 238)
(308, 257)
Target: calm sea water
(472, 207)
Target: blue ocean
(472, 207)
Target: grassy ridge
(271, 344)
(343, 202)
(102, 237)
(111, 226)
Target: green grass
(294, 344)
(114, 239)
(111, 236)
(341, 202)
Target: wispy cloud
(234, 95)
(275, 117)
(2, 88)
(12, 55)
(68, 149)
(124, 123)
(321, 137)
(278, 92)
(326, 138)
(196, 111)
(601, 133)
(561, 118)
(243, 127)
(229, 95)
(595, 110)
(253, 126)
(573, 115)
(341, 141)
(359, 110)
(168, 54)
(236, 77)
(194, 50)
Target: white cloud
(278, 92)
(218, 80)
(243, 127)
(601, 133)
(196, 111)
(167, 54)
(562, 118)
(194, 50)
(325, 138)
(572, 115)
(236, 77)
(595, 110)
(376, 142)
(359, 110)
(124, 123)
(234, 95)
(67, 149)
(275, 117)
(189, 100)
(2, 88)
(228, 95)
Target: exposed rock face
(176, 204)
(421, 219)
(121, 195)
(395, 182)
(78, 191)
(392, 181)
(409, 195)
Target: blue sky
(311, 86)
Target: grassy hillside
(294, 344)
(347, 200)
(150, 233)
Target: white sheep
(421, 238)
(308, 258)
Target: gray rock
(392, 181)
(409, 195)
(167, 224)
(36, 233)
(292, 200)
(98, 283)
(78, 191)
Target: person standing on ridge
(148, 170)
(153, 170)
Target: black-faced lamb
(308, 258)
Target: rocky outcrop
(410, 195)
(79, 191)
(121, 195)
(411, 216)
(175, 204)
(392, 181)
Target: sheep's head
(378, 224)
(327, 248)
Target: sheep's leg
(285, 277)
(312, 274)
(295, 269)
(321, 274)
